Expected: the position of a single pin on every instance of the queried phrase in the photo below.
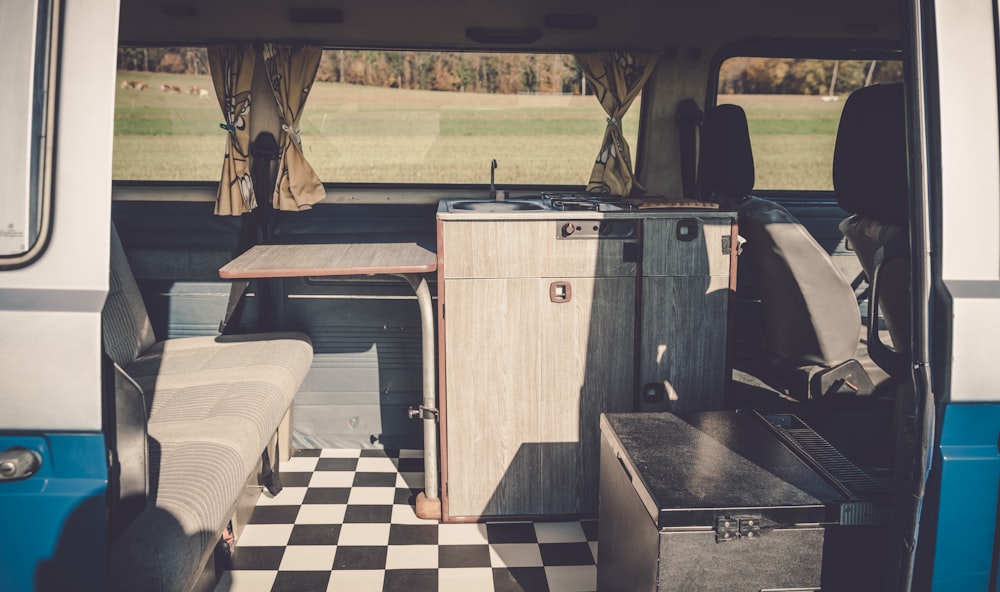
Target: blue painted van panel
(966, 529)
(53, 534)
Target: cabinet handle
(687, 229)
(560, 292)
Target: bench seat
(211, 404)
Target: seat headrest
(869, 160)
(725, 162)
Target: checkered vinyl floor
(345, 521)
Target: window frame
(44, 94)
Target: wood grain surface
(493, 396)
(683, 342)
(483, 249)
(587, 368)
(665, 255)
(264, 261)
(528, 378)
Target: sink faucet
(494, 194)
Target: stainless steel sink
(494, 206)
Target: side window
(378, 116)
(166, 116)
(25, 38)
(793, 109)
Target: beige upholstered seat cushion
(282, 359)
(212, 404)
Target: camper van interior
(469, 295)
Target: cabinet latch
(731, 528)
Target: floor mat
(345, 521)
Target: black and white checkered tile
(345, 521)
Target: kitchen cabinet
(685, 303)
(538, 335)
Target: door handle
(18, 463)
(560, 292)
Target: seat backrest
(725, 159)
(870, 181)
(811, 315)
(127, 330)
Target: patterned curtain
(617, 78)
(291, 70)
(232, 72)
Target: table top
(356, 258)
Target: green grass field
(792, 137)
(358, 134)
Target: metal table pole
(430, 505)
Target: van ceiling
(443, 24)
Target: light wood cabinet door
(527, 381)
(492, 378)
(586, 369)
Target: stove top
(585, 202)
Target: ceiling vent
(504, 36)
(316, 16)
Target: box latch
(731, 528)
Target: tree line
(509, 73)
(501, 73)
(747, 75)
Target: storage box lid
(690, 469)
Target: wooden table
(409, 260)
(272, 261)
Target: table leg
(429, 506)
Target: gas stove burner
(588, 202)
(571, 205)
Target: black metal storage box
(732, 501)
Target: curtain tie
(296, 132)
(228, 127)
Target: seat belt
(263, 150)
(889, 359)
(688, 119)
(269, 473)
(257, 223)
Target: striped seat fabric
(212, 404)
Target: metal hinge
(731, 528)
